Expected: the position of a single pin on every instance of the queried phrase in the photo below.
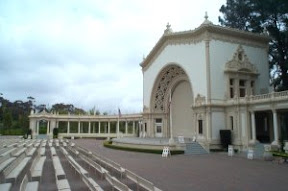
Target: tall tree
(259, 16)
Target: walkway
(215, 171)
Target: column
(89, 127)
(253, 126)
(48, 127)
(133, 128)
(109, 127)
(275, 128)
(117, 129)
(126, 127)
(68, 127)
(37, 128)
(79, 126)
(99, 126)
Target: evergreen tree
(261, 16)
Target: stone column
(133, 128)
(99, 126)
(48, 127)
(253, 126)
(37, 128)
(109, 127)
(68, 127)
(126, 127)
(89, 127)
(79, 124)
(275, 128)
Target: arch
(166, 80)
(171, 78)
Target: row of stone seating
(14, 161)
(90, 182)
(105, 162)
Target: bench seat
(32, 186)
(16, 171)
(4, 164)
(5, 186)
(63, 184)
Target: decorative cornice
(206, 31)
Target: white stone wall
(222, 52)
(191, 57)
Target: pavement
(214, 171)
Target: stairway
(194, 148)
(259, 150)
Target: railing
(274, 96)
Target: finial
(206, 15)
(206, 21)
(168, 26)
(168, 29)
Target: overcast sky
(87, 52)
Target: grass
(108, 144)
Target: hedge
(108, 144)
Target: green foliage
(7, 119)
(12, 131)
(108, 144)
(258, 16)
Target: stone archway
(172, 80)
(182, 113)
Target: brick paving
(214, 171)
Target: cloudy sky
(87, 52)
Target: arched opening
(172, 80)
(42, 128)
(182, 114)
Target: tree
(259, 16)
(7, 119)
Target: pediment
(240, 63)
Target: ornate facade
(201, 81)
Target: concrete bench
(7, 170)
(31, 151)
(141, 181)
(29, 186)
(37, 144)
(18, 152)
(6, 163)
(5, 186)
(53, 151)
(92, 185)
(16, 171)
(42, 151)
(76, 165)
(37, 168)
(94, 165)
(59, 172)
(115, 183)
(63, 184)
(8, 151)
(64, 151)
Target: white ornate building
(218, 78)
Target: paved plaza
(214, 171)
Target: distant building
(218, 78)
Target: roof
(206, 31)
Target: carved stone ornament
(166, 77)
(200, 100)
(240, 63)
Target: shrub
(55, 133)
(108, 144)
